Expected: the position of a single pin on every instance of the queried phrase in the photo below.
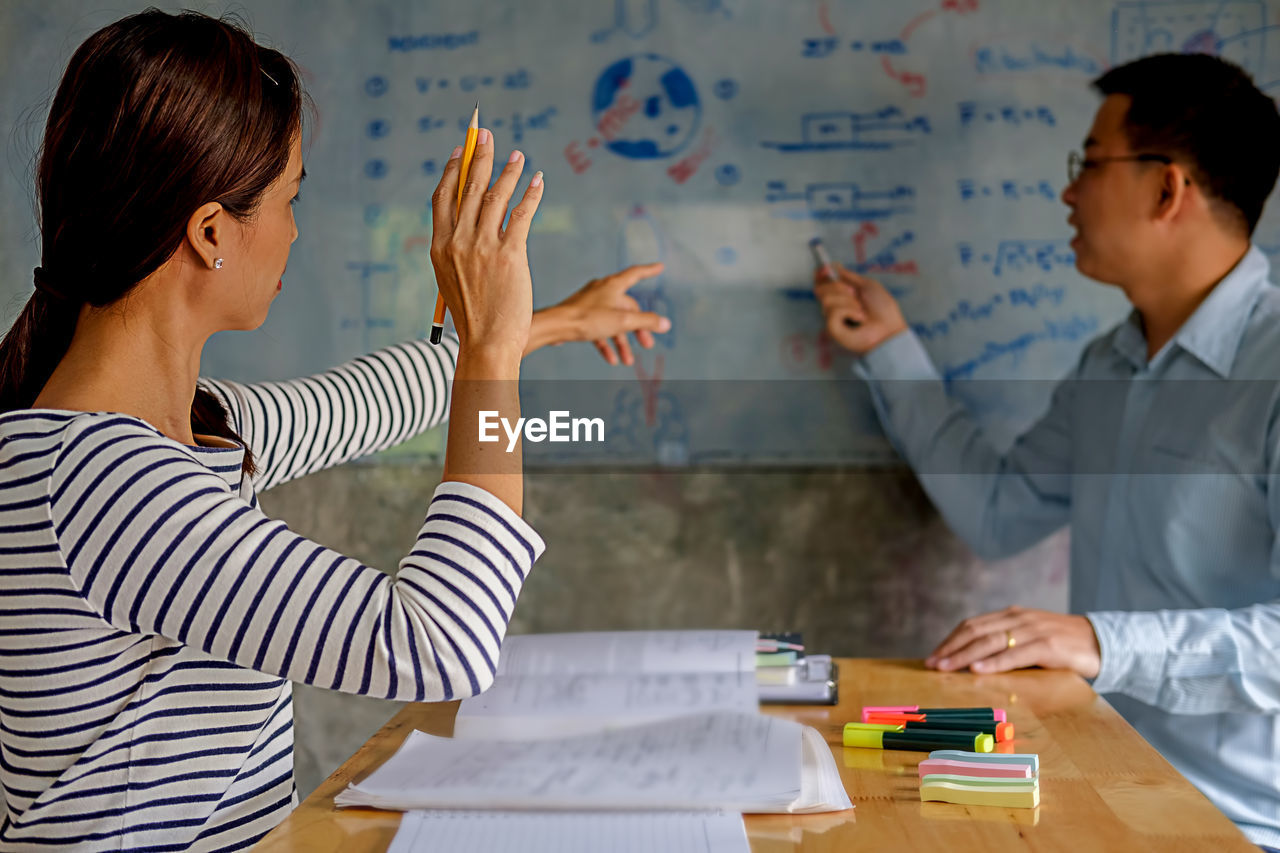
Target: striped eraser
(1030, 759)
(1003, 793)
(981, 769)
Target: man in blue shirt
(1161, 449)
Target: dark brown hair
(156, 115)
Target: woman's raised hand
(482, 268)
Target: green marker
(984, 713)
(1000, 731)
(923, 741)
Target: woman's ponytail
(34, 345)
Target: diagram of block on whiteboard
(1233, 29)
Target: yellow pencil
(468, 151)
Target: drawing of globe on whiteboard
(645, 107)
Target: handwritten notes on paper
(519, 707)
(737, 762)
(552, 685)
(628, 652)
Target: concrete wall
(857, 559)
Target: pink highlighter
(997, 714)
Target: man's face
(1112, 200)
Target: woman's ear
(206, 232)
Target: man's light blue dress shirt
(1168, 472)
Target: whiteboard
(925, 142)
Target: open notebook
(749, 763)
(551, 685)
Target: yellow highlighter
(468, 151)
(875, 727)
(856, 735)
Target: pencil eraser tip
(437, 332)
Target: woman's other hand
(603, 312)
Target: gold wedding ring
(1009, 641)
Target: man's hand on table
(1018, 637)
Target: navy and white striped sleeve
(376, 401)
(158, 544)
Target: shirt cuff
(900, 357)
(1133, 651)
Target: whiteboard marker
(823, 260)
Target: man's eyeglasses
(1077, 162)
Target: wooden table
(1102, 787)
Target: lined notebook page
(738, 762)
(519, 707)
(570, 832)
(628, 652)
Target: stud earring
(217, 264)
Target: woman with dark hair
(151, 617)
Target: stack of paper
(553, 685)
(737, 762)
(628, 651)
(572, 832)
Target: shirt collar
(1213, 332)
(1130, 342)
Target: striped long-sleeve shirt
(152, 618)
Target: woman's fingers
(624, 349)
(625, 279)
(445, 200)
(494, 205)
(606, 352)
(477, 183)
(522, 213)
